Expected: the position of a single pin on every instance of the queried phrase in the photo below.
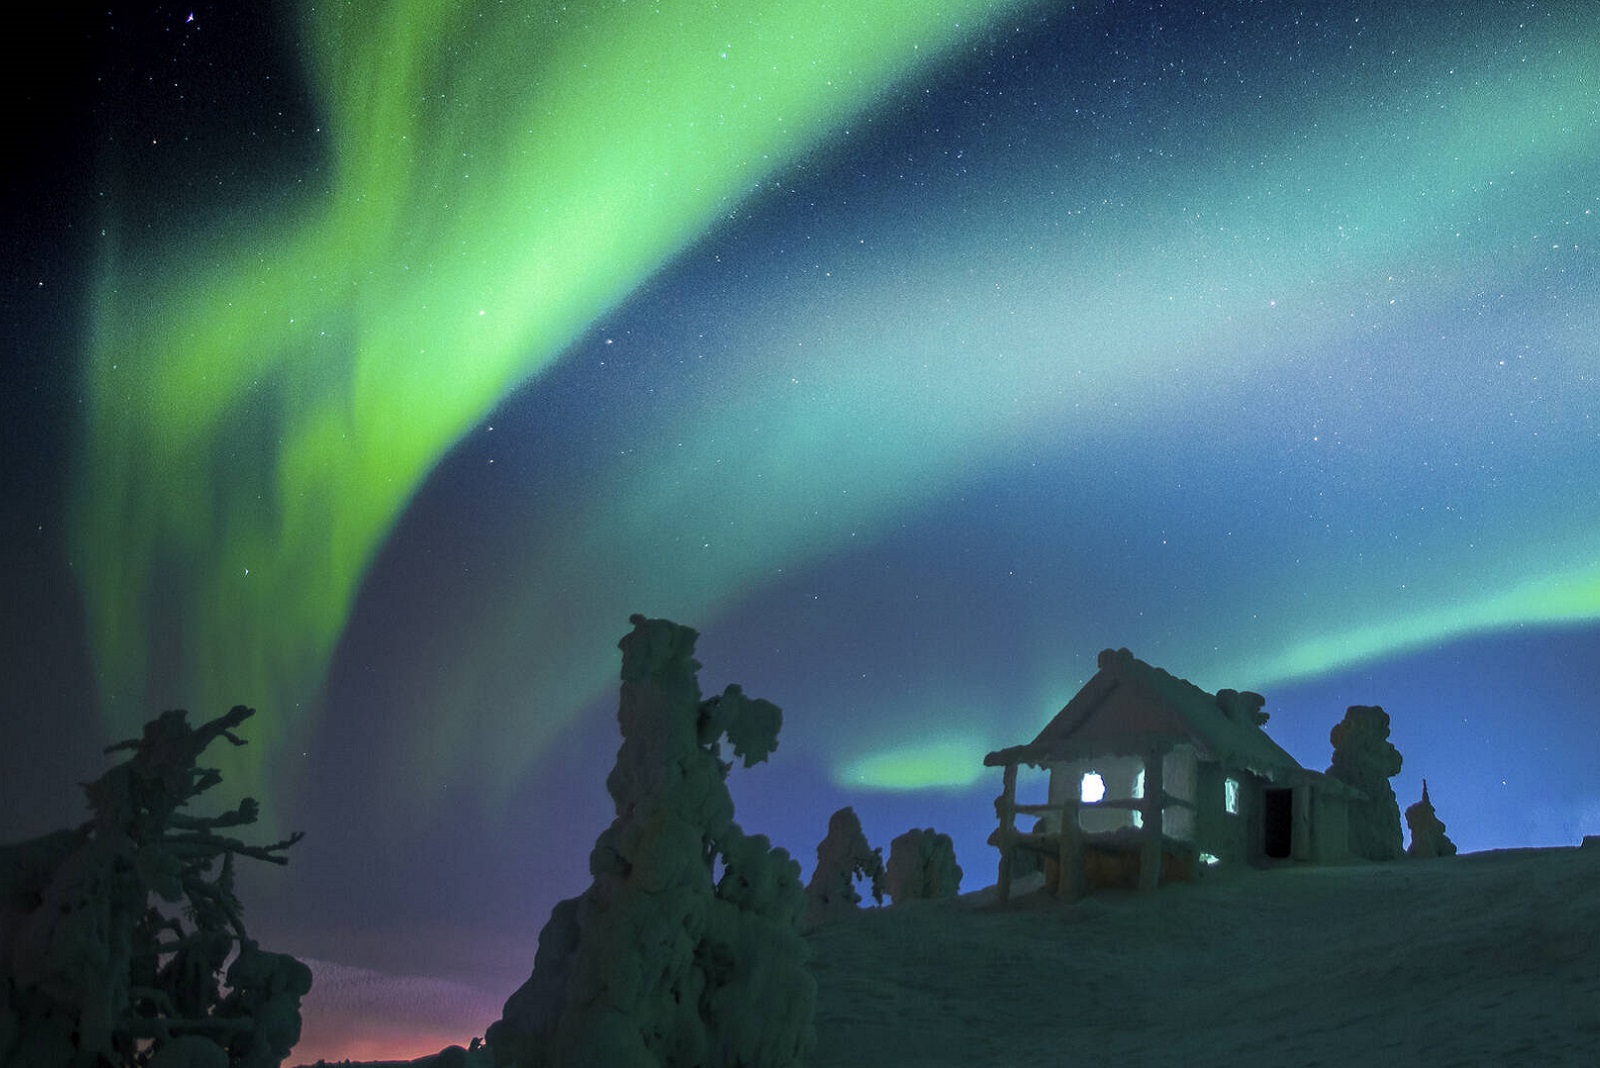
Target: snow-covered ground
(1485, 959)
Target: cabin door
(1277, 822)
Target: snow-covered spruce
(661, 961)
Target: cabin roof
(1129, 707)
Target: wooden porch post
(1006, 804)
(1069, 852)
(1150, 844)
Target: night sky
(369, 363)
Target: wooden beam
(1069, 854)
(1006, 806)
(1150, 844)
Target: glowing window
(1230, 796)
(1138, 784)
(1093, 789)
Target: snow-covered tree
(661, 961)
(115, 938)
(842, 857)
(1364, 757)
(1427, 830)
(922, 864)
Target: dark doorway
(1277, 822)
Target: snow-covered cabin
(1150, 776)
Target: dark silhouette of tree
(1364, 758)
(663, 961)
(843, 856)
(114, 936)
(1427, 830)
(922, 864)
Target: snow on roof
(1129, 706)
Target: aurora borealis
(497, 177)
(913, 353)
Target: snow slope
(1490, 958)
(1483, 959)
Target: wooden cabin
(1152, 778)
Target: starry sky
(371, 362)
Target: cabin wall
(1331, 826)
(1124, 780)
(1180, 770)
(1309, 823)
(1297, 820)
(1065, 782)
(1218, 832)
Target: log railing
(1066, 840)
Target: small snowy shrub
(842, 857)
(922, 864)
(1427, 830)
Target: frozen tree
(842, 857)
(1364, 758)
(663, 961)
(922, 864)
(114, 936)
(1427, 830)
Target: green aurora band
(252, 443)
(261, 406)
(1026, 337)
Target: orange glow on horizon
(335, 1044)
